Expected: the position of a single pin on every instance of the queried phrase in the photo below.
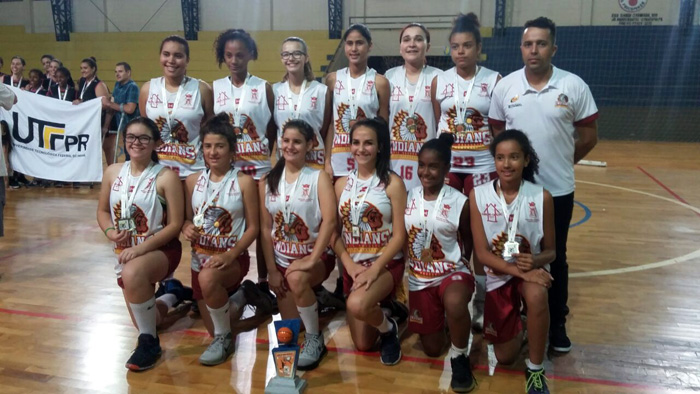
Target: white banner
(54, 139)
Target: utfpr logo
(51, 135)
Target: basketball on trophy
(284, 335)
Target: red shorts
(173, 252)
(426, 306)
(243, 261)
(502, 312)
(466, 182)
(395, 268)
(328, 262)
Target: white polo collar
(551, 84)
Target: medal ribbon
(168, 113)
(461, 106)
(420, 87)
(127, 199)
(87, 83)
(355, 204)
(282, 189)
(428, 223)
(206, 203)
(237, 106)
(513, 228)
(296, 108)
(353, 96)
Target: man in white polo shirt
(556, 110)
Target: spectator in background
(16, 79)
(124, 105)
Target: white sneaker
(218, 351)
(312, 352)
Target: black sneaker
(535, 382)
(22, 179)
(390, 347)
(264, 288)
(176, 288)
(399, 311)
(257, 298)
(462, 378)
(327, 301)
(338, 292)
(13, 183)
(558, 340)
(146, 354)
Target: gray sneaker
(312, 352)
(218, 351)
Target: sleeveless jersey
(86, 93)
(224, 220)
(409, 132)
(252, 150)
(147, 210)
(470, 152)
(313, 106)
(367, 107)
(181, 149)
(530, 226)
(447, 256)
(296, 239)
(375, 220)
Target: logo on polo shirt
(562, 101)
(513, 102)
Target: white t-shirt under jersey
(313, 106)
(530, 229)
(408, 133)
(470, 152)
(549, 118)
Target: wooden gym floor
(635, 321)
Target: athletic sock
(237, 299)
(456, 352)
(221, 317)
(168, 299)
(384, 326)
(309, 315)
(533, 367)
(145, 316)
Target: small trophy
(286, 356)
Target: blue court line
(587, 215)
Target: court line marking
(664, 263)
(668, 189)
(422, 360)
(587, 214)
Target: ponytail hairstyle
(381, 129)
(441, 145)
(234, 35)
(152, 127)
(467, 24)
(518, 136)
(308, 71)
(92, 62)
(274, 176)
(360, 28)
(219, 125)
(179, 40)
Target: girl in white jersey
(461, 100)
(358, 93)
(439, 245)
(141, 210)
(179, 105)
(297, 223)
(300, 96)
(222, 222)
(517, 252)
(371, 200)
(412, 120)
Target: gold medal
(426, 256)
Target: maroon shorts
(328, 262)
(243, 261)
(395, 268)
(466, 182)
(502, 312)
(173, 252)
(427, 311)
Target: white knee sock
(221, 317)
(168, 299)
(309, 315)
(145, 316)
(456, 352)
(384, 326)
(237, 299)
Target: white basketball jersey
(147, 210)
(375, 220)
(295, 239)
(224, 220)
(470, 152)
(181, 148)
(252, 150)
(312, 109)
(411, 121)
(447, 256)
(367, 107)
(530, 228)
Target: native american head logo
(246, 133)
(176, 134)
(217, 221)
(416, 240)
(370, 217)
(473, 120)
(409, 128)
(345, 121)
(296, 231)
(137, 214)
